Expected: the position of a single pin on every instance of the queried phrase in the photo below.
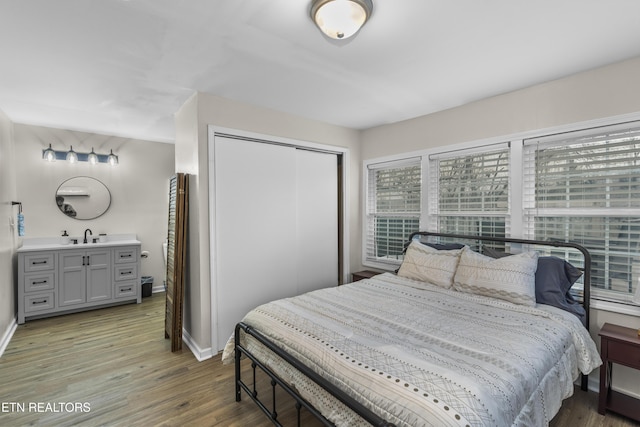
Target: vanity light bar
(52, 155)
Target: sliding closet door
(255, 214)
(317, 220)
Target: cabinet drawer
(125, 272)
(39, 262)
(125, 255)
(625, 354)
(39, 282)
(39, 302)
(126, 289)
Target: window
(584, 187)
(581, 187)
(469, 192)
(393, 209)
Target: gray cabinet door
(85, 277)
(73, 277)
(98, 266)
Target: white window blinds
(469, 191)
(393, 208)
(584, 187)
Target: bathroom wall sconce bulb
(49, 155)
(112, 159)
(92, 157)
(72, 156)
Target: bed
(455, 338)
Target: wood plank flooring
(116, 365)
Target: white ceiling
(124, 67)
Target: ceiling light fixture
(340, 19)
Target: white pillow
(424, 263)
(511, 278)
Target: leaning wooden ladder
(176, 258)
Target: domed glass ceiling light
(340, 19)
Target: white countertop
(49, 243)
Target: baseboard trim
(594, 383)
(200, 354)
(8, 334)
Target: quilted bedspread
(421, 355)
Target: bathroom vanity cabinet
(55, 279)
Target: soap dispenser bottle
(65, 238)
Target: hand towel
(21, 224)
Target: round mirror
(83, 197)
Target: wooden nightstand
(365, 274)
(618, 345)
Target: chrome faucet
(85, 234)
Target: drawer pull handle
(125, 290)
(39, 262)
(44, 301)
(41, 282)
(125, 256)
(124, 273)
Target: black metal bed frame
(336, 392)
(272, 414)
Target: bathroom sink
(43, 243)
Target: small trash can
(147, 285)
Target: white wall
(139, 187)
(8, 234)
(192, 157)
(604, 92)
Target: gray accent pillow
(554, 279)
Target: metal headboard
(587, 256)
